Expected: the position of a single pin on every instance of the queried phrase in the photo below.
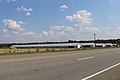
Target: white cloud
(11, 0)
(27, 11)
(89, 29)
(5, 30)
(12, 25)
(8, 0)
(24, 9)
(104, 32)
(28, 14)
(69, 29)
(21, 22)
(6, 36)
(45, 33)
(61, 33)
(118, 28)
(81, 30)
(61, 29)
(58, 33)
(50, 32)
(81, 18)
(13, 32)
(30, 33)
(111, 17)
(63, 7)
(57, 28)
(79, 33)
(54, 30)
(31, 36)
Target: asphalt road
(99, 64)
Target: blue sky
(58, 20)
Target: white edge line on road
(100, 72)
(85, 58)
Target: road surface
(98, 64)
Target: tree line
(113, 41)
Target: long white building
(64, 45)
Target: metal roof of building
(86, 43)
(62, 45)
(48, 45)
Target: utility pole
(94, 35)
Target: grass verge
(7, 51)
